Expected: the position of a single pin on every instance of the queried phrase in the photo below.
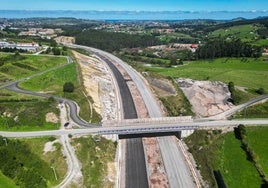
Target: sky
(137, 5)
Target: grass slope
(19, 66)
(257, 139)
(53, 82)
(25, 113)
(23, 166)
(94, 156)
(214, 151)
(232, 161)
(53, 158)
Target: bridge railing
(124, 131)
(150, 121)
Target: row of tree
(241, 134)
(224, 48)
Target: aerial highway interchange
(136, 174)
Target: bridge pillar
(113, 137)
(186, 133)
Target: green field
(232, 161)
(14, 67)
(258, 139)
(53, 82)
(214, 151)
(94, 155)
(246, 72)
(245, 32)
(25, 113)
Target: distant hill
(260, 20)
(238, 19)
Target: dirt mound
(206, 97)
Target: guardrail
(147, 130)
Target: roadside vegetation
(96, 154)
(26, 113)
(256, 111)
(24, 167)
(53, 82)
(224, 153)
(177, 105)
(16, 66)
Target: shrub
(260, 91)
(68, 87)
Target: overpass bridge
(136, 128)
(149, 125)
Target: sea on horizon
(133, 15)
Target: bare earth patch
(65, 39)
(111, 166)
(98, 84)
(156, 171)
(49, 146)
(138, 101)
(162, 87)
(206, 97)
(52, 118)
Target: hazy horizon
(133, 15)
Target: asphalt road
(72, 105)
(154, 110)
(135, 168)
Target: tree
(260, 91)
(68, 87)
(64, 48)
(231, 87)
(240, 132)
(56, 51)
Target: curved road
(72, 105)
